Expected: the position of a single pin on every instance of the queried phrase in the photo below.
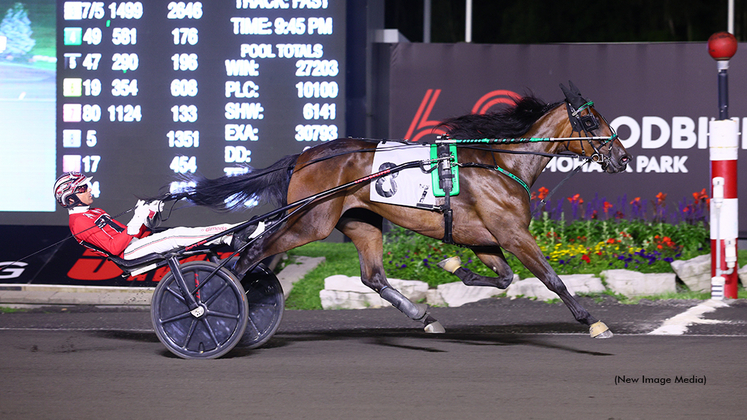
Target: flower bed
(599, 236)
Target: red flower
(576, 199)
(607, 206)
(660, 197)
(542, 193)
(586, 259)
(701, 196)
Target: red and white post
(724, 148)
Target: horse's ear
(569, 96)
(566, 92)
(574, 89)
(572, 95)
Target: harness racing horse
(490, 213)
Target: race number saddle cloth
(411, 187)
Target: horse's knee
(376, 281)
(555, 284)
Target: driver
(72, 190)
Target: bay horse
(490, 213)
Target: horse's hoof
(450, 264)
(600, 330)
(606, 334)
(435, 328)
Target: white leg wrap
(399, 301)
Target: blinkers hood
(573, 96)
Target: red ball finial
(722, 46)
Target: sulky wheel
(266, 302)
(212, 329)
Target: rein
(605, 139)
(469, 143)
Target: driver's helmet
(69, 184)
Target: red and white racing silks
(96, 227)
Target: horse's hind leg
(493, 258)
(364, 229)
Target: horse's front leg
(525, 248)
(364, 230)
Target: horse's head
(593, 130)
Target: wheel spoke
(216, 294)
(201, 285)
(176, 293)
(191, 332)
(212, 333)
(251, 323)
(224, 314)
(176, 317)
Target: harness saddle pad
(411, 187)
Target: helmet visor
(80, 189)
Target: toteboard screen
(148, 91)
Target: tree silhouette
(16, 27)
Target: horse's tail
(232, 192)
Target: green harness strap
(514, 177)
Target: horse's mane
(511, 122)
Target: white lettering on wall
(655, 132)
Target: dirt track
(497, 360)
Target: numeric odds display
(151, 90)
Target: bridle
(585, 125)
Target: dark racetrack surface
(499, 359)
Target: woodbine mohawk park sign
(659, 97)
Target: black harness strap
(446, 181)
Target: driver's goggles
(80, 189)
